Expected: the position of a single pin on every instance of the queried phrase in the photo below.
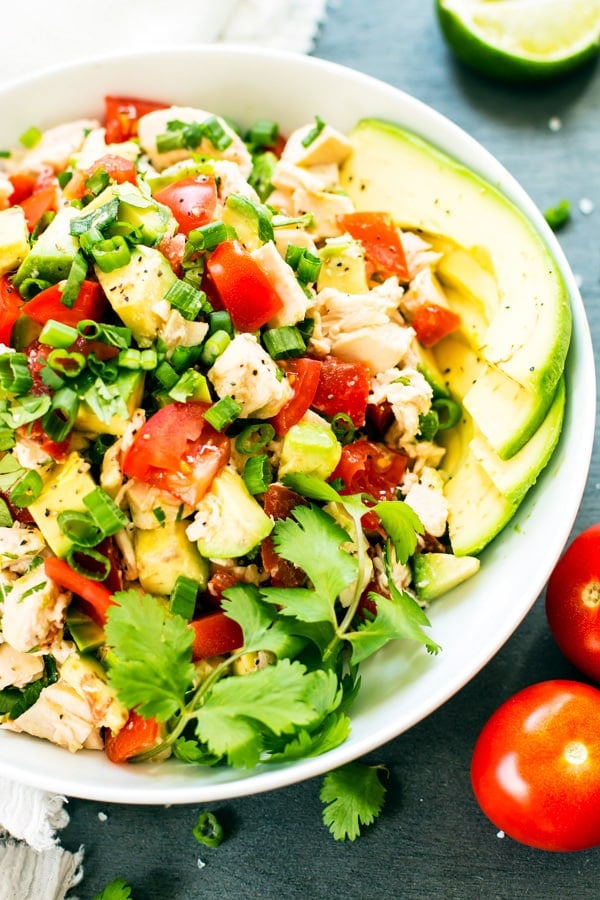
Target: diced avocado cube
(163, 554)
(14, 239)
(151, 218)
(51, 257)
(135, 288)
(309, 449)
(131, 388)
(251, 222)
(229, 522)
(86, 633)
(343, 266)
(65, 488)
(436, 573)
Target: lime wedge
(521, 40)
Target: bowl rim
(132, 786)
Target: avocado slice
(130, 385)
(424, 189)
(436, 573)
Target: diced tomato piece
(432, 323)
(379, 417)
(243, 286)
(214, 635)
(136, 735)
(11, 304)
(371, 468)
(173, 248)
(95, 596)
(343, 388)
(23, 184)
(191, 200)
(178, 451)
(89, 304)
(303, 375)
(381, 241)
(121, 115)
(38, 203)
(57, 450)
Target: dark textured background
(431, 841)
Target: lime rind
(521, 40)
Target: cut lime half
(521, 40)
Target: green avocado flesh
(505, 362)
(528, 326)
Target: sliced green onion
(257, 474)
(183, 597)
(216, 134)
(214, 346)
(99, 180)
(15, 377)
(166, 375)
(130, 359)
(111, 253)
(263, 166)
(27, 489)
(31, 137)
(192, 385)
(89, 239)
(89, 563)
(220, 320)
(209, 236)
(264, 133)
(98, 449)
(105, 512)
(79, 528)
(75, 278)
(186, 299)
(314, 132)
(448, 411)
(343, 428)
(96, 219)
(69, 364)
(185, 357)
(304, 263)
(429, 424)
(57, 334)
(159, 515)
(284, 342)
(115, 335)
(60, 418)
(254, 437)
(64, 178)
(222, 413)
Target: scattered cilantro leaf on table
(354, 795)
(116, 890)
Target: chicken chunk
(55, 148)
(245, 372)
(60, 715)
(156, 123)
(329, 146)
(284, 281)
(409, 395)
(17, 668)
(33, 611)
(18, 546)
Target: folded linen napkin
(33, 865)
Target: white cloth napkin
(33, 866)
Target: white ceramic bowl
(401, 686)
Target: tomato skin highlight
(191, 200)
(535, 769)
(573, 602)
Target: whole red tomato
(573, 602)
(535, 770)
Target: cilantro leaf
(116, 890)
(402, 526)
(400, 617)
(152, 651)
(332, 732)
(355, 795)
(257, 619)
(311, 540)
(231, 722)
(193, 753)
(302, 603)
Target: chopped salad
(220, 466)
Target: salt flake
(500, 835)
(555, 124)
(586, 206)
(201, 863)
(102, 816)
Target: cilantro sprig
(354, 795)
(296, 706)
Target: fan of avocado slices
(505, 364)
